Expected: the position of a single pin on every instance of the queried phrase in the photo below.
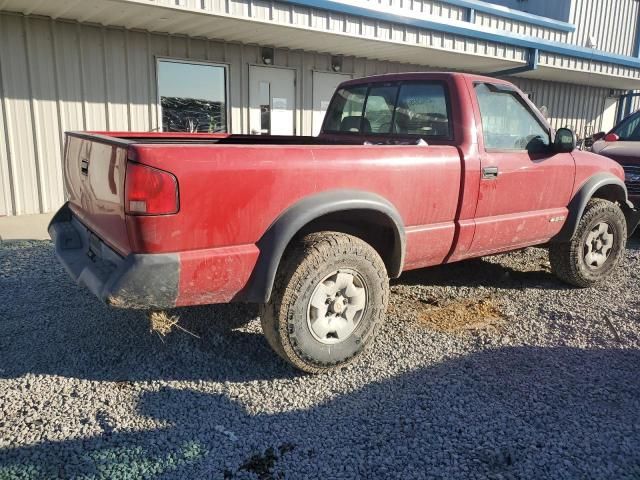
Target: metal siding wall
(558, 9)
(614, 30)
(59, 76)
(491, 21)
(576, 106)
(18, 117)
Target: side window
(507, 124)
(422, 110)
(629, 129)
(345, 111)
(378, 115)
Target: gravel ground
(485, 369)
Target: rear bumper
(135, 281)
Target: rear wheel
(329, 298)
(595, 249)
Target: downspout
(532, 64)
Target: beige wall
(57, 76)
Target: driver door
(525, 187)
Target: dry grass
(163, 324)
(463, 315)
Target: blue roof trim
(477, 32)
(518, 15)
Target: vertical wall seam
(107, 97)
(153, 85)
(127, 74)
(83, 92)
(56, 82)
(36, 147)
(12, 208)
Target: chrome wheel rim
(336, 306)
(598, 245)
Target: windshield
(411, 108)
(629, 129)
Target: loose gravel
(547, 386)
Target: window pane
(506, 123)
(422, 110)
(629, 129)
(379, 113)
(345, 112)
(192, 97)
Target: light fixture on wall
(267, 55)
(336, 63)
(592, 42)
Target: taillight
(149, 191)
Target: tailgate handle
(489, 173)
(84, 166)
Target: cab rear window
(403, 109)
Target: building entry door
(324, 84)
(272, 100)
(609, 114)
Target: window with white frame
(192, 96)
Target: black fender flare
(581, 198)
(275, 240)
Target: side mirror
(598, 136)
(565, 141)
(612, 137)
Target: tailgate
(94, 167)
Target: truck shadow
(634, 241)
(482, 272)
(504, 413)
(53, 327)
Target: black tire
(306, 265)
(568, 259)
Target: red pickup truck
(410, 170)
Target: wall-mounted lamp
(267, 55)
(336, 63)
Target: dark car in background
(622, 144)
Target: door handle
(489, 173)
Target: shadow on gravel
(51, 326)
(634, 242)
(480, 272)
(507, 413)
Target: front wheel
(330, 296)
(595, 249)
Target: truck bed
(168, 138)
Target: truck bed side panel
(230, 195)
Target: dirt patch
(461, 315)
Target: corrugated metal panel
(578, 64)
(557, 9)
(612, 23)
(59, 76)
(491, 21)
(578, 107)
(426, 7)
